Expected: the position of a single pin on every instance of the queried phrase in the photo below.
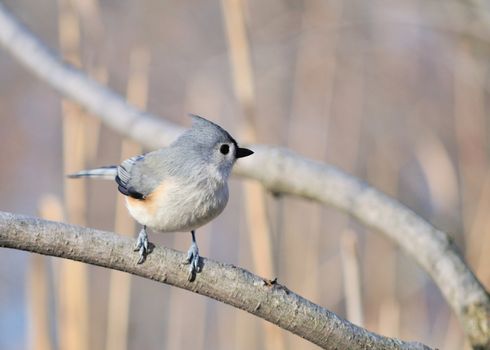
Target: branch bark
(280, 171)
(226, 283)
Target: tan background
(395, 92)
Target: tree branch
(226, 283)
(281, 171)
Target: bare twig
(73, 285)
(226, 283)
(285, 172)
(74, 84)
(120, 283)
(352, 277)
(255, 196)
(282, 171)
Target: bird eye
(224, 149)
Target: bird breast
(180, 205)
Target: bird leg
(142, 245)
(193, 258)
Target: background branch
(226, 283)
(280, 171)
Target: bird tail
(107, 173)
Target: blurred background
(394, 92)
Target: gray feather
(203, 136)
(138, 176)
(186, 159)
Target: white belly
(172, 208)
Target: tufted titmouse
(178, 188)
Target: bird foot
(193, 261)
(142, 245)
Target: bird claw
(142, 245)
(192, 260)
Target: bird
(178, 188)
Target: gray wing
(138, 176)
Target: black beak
(243, 152)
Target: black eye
(224, 149)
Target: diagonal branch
(281, 171)
(226, 283)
